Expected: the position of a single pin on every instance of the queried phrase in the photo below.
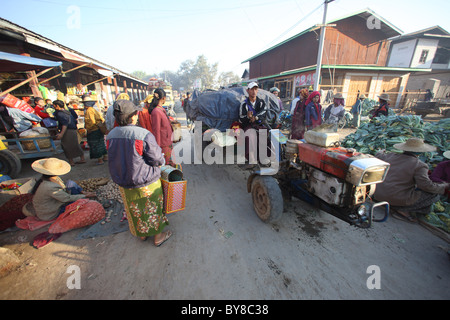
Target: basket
(174, 195)
(42, 143)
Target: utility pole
(322, 39)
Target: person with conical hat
(336, 111)
(50, 193)
(407, 186)
(383, 107)
(356, 110)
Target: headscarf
(148, 99)
(304, 93)
(311, 96)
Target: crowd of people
(134, 141)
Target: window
(442, 56)
(423, 56)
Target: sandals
(404, 216)
(167, 236)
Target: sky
(158, 35)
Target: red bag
(11, 101)
(79, 214)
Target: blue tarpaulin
(10, 62)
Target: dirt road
(221, 250)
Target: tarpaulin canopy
(10, 62)
(219, 109)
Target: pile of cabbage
(439, 215)
(382, 133)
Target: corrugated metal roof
(39, 40)
(346, 67)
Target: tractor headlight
(367, 171)
(362, 210)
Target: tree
(226, 78)
(190, 71)
(141, 75)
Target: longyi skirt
(144, 208)
(70, 145)
(97, 146)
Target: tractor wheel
(267, 198)
(10, 164)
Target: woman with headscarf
(313, 111)
(298, 120)
(135, 161)
(95, 137)
(161, 126)
(335, 112)
(145, 118)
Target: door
(358, 84)
(391, 86)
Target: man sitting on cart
(252, 115)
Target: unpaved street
(221, 250)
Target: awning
(10, 62)
(77, 59)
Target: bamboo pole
(25, 82)
(96, 81)
(58, 75)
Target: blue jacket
(134, 157)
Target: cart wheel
(10, 164)
(267, 198)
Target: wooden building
(355, 53)
(78, 72)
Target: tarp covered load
(219, 109)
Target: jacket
(23, 120)
(313, 115)
(134, 157)
(91, 118)
(259, 111)
(406, 175)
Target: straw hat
(362, 96)
(51, 166)
(415, 145)
(384, 96)
(338, 96)
(447, 154)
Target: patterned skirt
(97, 146)
(144, 208)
